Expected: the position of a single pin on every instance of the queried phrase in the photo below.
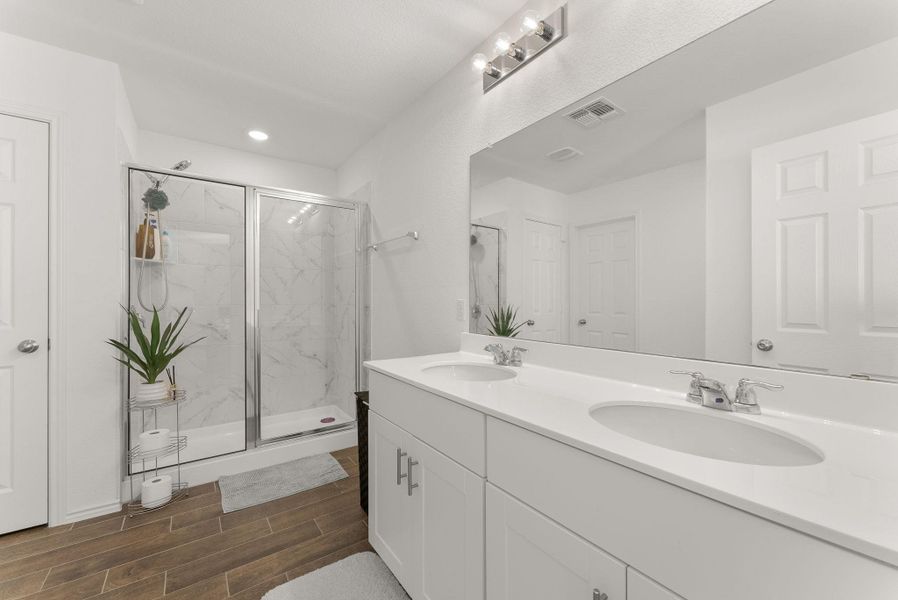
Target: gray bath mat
(270, 483)
(362, 576)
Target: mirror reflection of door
(825, 249)
(605, 285)
(543, 263)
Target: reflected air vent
(563, 154)
(595, 112)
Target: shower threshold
(227, 438)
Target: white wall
(418, 164)
(670, 214)
(159, 150)
(843, 90)
(95, 130)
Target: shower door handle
(399, 474)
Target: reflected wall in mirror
(735, 201)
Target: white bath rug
(270, 483)
(362, 576)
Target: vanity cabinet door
(447, 504)
(391, 529)
(640, 587)
(530, 557)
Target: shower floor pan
(216, 440)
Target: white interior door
(605, 285)
(825, 250)
(542, 281)
(24, 296)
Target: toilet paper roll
(155, 491)
(154, 439)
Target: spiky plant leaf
(150, 359)
(502, 322)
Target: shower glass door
(305, 347)
(189, 253)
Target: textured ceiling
(321, 76)
(665, 102)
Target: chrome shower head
(182, 165)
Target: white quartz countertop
(849, 499)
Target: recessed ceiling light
(256, 134)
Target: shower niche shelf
(147, 464)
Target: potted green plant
(502, 322)
(155, 351)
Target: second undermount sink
(723, 437)
(471, 371)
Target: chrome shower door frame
(254, 197)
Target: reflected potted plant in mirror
(502, 322)
(155, 351)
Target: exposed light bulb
(479, 63)
(503, 43)
(530, 22)
(258, 135)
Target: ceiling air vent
(595, 112)
(563, 154)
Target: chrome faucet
(714, 394)
(514, 358)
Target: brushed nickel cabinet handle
(399, 474)
(598, 595)
(411, 463)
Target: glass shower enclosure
(271, 280)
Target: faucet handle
(745, 394)
(697, 376)
(514, 357)
(746, 384)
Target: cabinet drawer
(665, 531)
(453, 429)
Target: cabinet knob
(598, 595)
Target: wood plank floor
(189, 549)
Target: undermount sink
(471, 371)
(722, 437)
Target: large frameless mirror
(734, 201)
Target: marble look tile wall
(307, 315)
(205, 267)
(487, 275)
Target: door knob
(530, 322)
(28, 346)
(764, 345)
(581, 322)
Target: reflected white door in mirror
(824, 221)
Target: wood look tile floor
(189, 549)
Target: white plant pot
(147, 392)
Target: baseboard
(89, 513)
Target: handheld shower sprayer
(154, 201)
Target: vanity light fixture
(481, 64)
(533, 24)
(539, 34)
(257, 134)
